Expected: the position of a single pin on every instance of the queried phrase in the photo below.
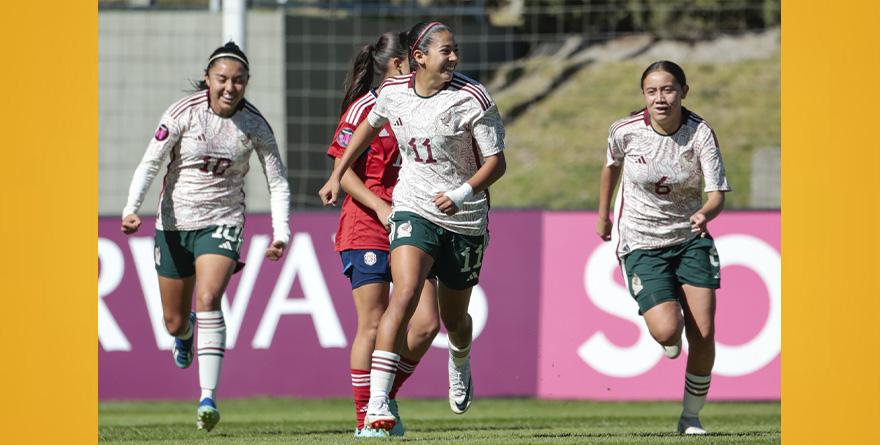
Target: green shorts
(457, 258)
(654, 276)
(176, 251)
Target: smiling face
(440, 59)
(663, 96)
(227, 80)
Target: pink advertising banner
(290, 323)
(551, 317)
(594, 345)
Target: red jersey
(378, 167)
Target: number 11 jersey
(443, 139)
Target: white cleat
(690, 426)
(461, 387)
(379, 416)
(673, 351)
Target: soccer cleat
(379, 415)
(369, 432)
(673, 351)
(183, 349)
(690, 425)
(207, 416)
(461, 387)
(398, 429)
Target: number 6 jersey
(443, 139)
(209, 155)
(663, 179)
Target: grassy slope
(489, 421)
(556, 148)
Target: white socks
(211, 348)
(382, 373)
(695, 389)
(459, 356)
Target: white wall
(145, 63)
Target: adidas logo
(473, 276)
(226, 245)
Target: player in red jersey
(669, 157)
(209, 137)
(362, 237)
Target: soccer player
(362, 238)
(669, 156)
(209, 136)
(452, 139)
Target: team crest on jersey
(404, 230)
(370, 258)
(158, 256)
(162, 133)
(345, 137)
(636, 284)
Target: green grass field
(489, 421)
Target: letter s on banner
(598, 352)
(763, 259)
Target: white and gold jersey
(663, 179)
(443, 139)
(209, 157)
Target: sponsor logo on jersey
(636, 284)
(370, 258)
(162, 133)
(404, 230)
(384, 133)
(344, 137)
(158, 256)
(473, 276)
(226, 245)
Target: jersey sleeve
(378, 116)
(486, 124)
(341, 138)
(279, 189)
(614, 154)
(711, 163)
(167, 135)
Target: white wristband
(459, 195)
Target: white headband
(229, 55)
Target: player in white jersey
(669, 157)
(209, 137)
(452, 139)
(362, 238)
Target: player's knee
(176, 325)
(426, 331)
(457, 322)
(209, 300)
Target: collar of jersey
(412, 85)
(685, 116)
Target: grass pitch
(489, 421)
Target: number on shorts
(224, 232)
(467, 258)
